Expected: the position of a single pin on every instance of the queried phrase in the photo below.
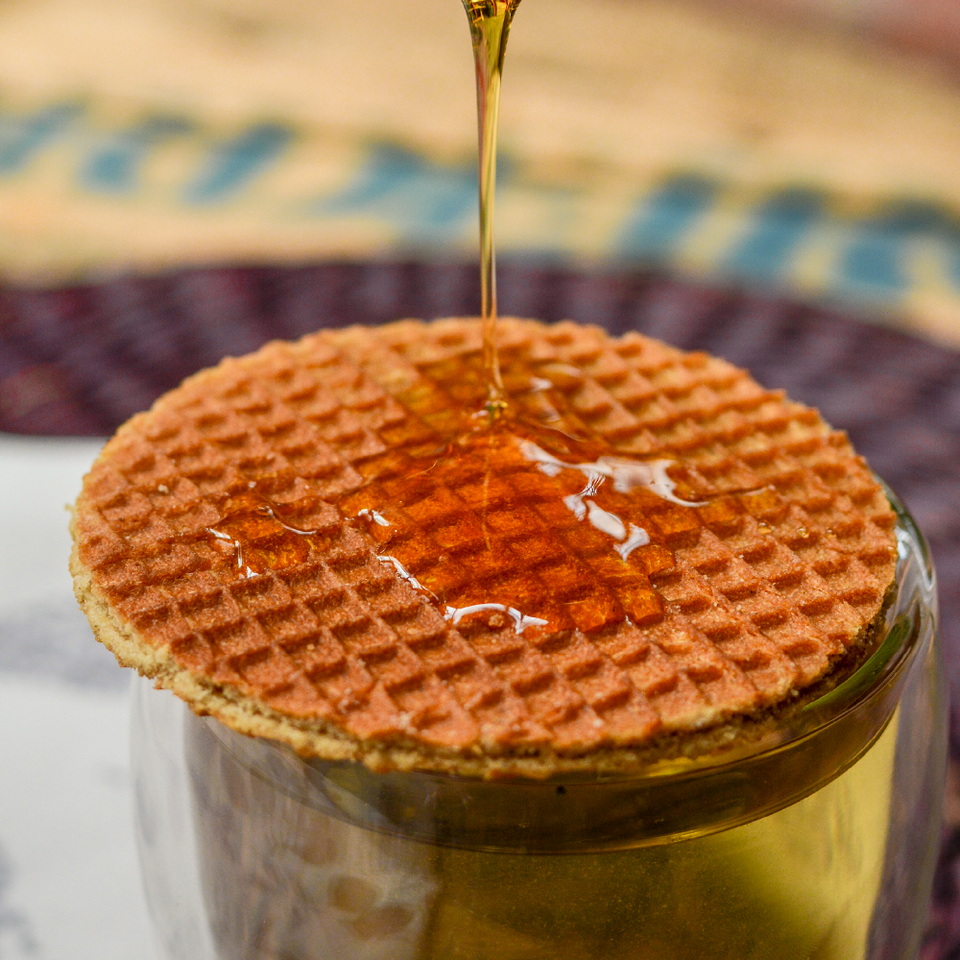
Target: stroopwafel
(324, 544)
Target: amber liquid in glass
(800, 884)
(287, 879)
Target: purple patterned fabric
(79, 360)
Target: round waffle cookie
(324, 543)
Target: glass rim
(892, 648)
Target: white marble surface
(69, 881)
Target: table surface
(69, 881)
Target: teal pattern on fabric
(233, 163)
(115, 165)
(422, 199)
(656, 226)
(23, 137)
(778, 226)
(893, 252)
(874, 260)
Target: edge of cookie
(318, 739)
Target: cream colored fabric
(603, 99)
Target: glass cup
(811, 837)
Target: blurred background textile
(776, 181)
(797, 151)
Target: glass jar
(814, 837)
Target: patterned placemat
(78, 360)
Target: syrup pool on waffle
(516, 521)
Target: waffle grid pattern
(777, 584)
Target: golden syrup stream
(489, 29)
(505, 512)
